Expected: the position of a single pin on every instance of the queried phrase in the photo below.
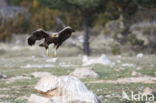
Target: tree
(128, 8)
(88, 8)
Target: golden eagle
(57, 38)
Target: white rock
(84, 72)
(18, 78)
(101, 60)
(38, 66)
(80, 39)
(13, 79)
(40, 74)
(140, 55)
(4, 96)
(118, 61)
(38, 99)
(119, 56)
(67, 89)
(85, 58)
(2, 76)
(128, 65)
(47, 83)
(63, 64)
(141, 79)
(147, 91)
(105, 59)
(15, 48)
(53, 60)
(22, 98)
(134, 73)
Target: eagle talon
(48, 55)
(55, 54)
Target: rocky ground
(106, 76)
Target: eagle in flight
(56, 38)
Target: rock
(147, 91)
(40, 74)
(127, 65)
(53, 60)
(13, 79)
(115, 26)
(38, 66)
(63, 64)
(143, 79)
(139, 68)
(8, 12)
(116, 69)
(3, 76)
(38, 99)
(105, 59)
(141, 31)
(101, 60)
(22, 98)
(84, 73)
(46, 84)
(118, 61)
(85, 58)
(151, 102)
(64, 89)
(5, 89)
(3, 3)
(119, 56)
(134, 73)
(140, 55)
(4, 96)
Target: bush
(20, 24)
(5, 34)
(115, 49)
(45, 19)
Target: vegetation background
(130, 23)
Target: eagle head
(70, 29)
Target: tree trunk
(86, 49)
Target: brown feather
(37, 35)
(64, 34)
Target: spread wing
(63, 35)
(37, 35)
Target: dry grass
(12, 62)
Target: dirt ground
(123, 74)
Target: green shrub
(5, 35)
(115, 49)
(134, 41)
(46, 19)
(20, 24)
